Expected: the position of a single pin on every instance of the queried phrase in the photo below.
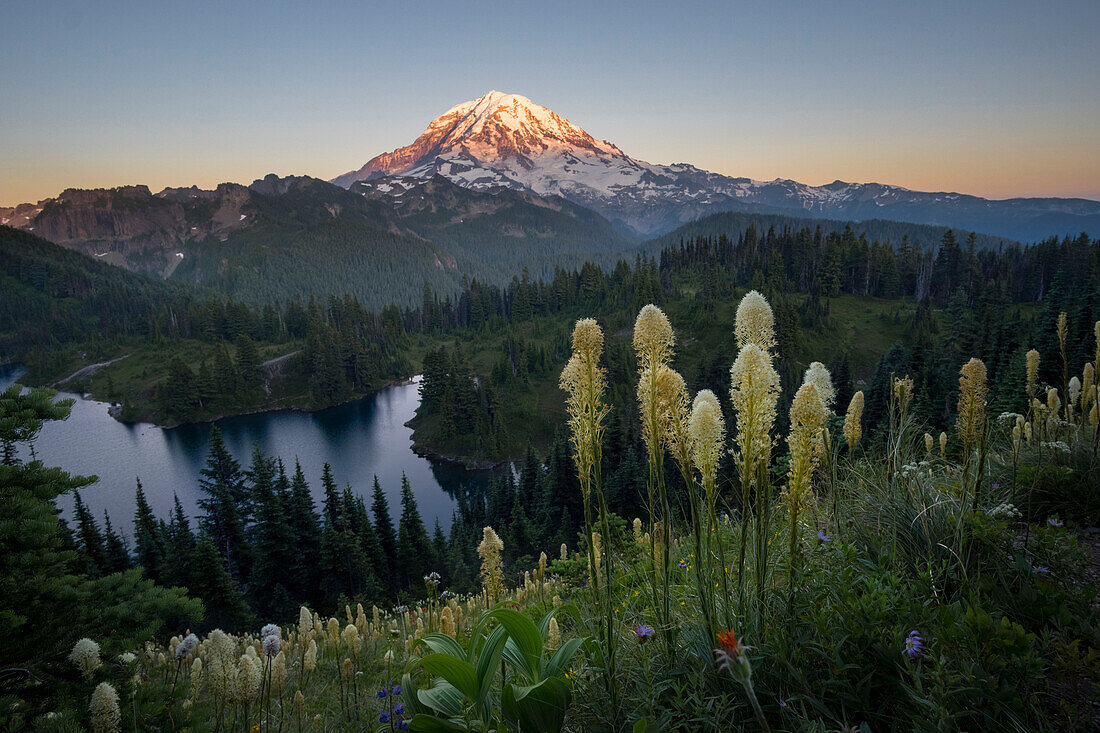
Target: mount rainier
(506, 140)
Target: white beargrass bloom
(310, 661)
(755, 322)
(653, 337)
(85, 656)
(707, 431)
(853, 428)
(1074, 390)
(105, 714)
(754, 391)
(818, 375)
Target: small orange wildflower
(730, 644)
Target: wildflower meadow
(841, 579)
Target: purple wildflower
(822, 537)
(399, 708)
(1041, 570)
(1054, 522)
(402, 725)
(383, 717)
(396, 689)
(382, 693)
(644, 633)
(683, 563)
(914, 645)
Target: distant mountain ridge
(507, 140)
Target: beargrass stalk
(754, 391)
(653, 340)
(679, 439)
(585, 382)
(807, 419)
(707, 431)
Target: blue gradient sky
(993, 98)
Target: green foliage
(537, 699)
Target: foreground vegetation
(850, 579)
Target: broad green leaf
(456, 671)
(443, 698)
(524, 633)
(412, 700)
(559, 663)
(488, 663)
(430, 724)
(515, 657)
(540, 707)
(442, 644)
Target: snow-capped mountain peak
(507, 140)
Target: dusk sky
(998, 99)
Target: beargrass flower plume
(1087, 385)
(972, 393)
(186, 647)
(943, 444)
(447, 621)
(853, 427)
(1063, 331)
(653, 338)
(220, 652)
(196, 677)
(351, 638)
(928, 443)
(1054, 403)
(310, 659)
(637, 526)
(903, 392)
(85, 657)
(755, 322)
(819, 377)
(249, 679)
(1074, 390)
(278, 674)
(707, 431)
(492, 571)
(564, 552)
(807, 419)
(1032, 362)
(1096, 335)
(103, 709)
(754, 391)
(553, 634)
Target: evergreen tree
(387, 536)
(306, 530)
(273, 547)
(114, 549)
(414, 549)
(89, 539)
(225, 507)
(211, 583)
(148, 539)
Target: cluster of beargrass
(837, 581)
